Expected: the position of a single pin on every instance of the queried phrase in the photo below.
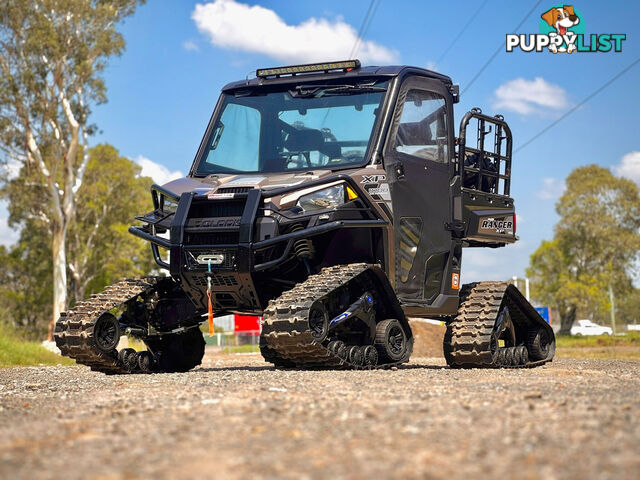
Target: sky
(179, 55)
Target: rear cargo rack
(487, 167)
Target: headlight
(168, 204)
(322, 199)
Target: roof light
(308, 68)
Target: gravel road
(236, 417)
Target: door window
(422, 131)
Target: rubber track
(286, 339)
(468, 337)
(74, 329)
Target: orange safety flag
(210, 315)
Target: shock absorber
(303, 248)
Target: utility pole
(526, 285)
(612, 300)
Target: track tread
(286, 339)
(468, 336)
(73, 331)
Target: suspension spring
(303, 248)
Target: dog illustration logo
(562, 19)
(561, 30)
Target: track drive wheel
(539, 344)
(390, 341)
(319, 322)
(106, 333)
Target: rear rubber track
(467, 342)
(286, 340)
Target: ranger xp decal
(503, 225)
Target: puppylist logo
(562, 31)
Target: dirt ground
(236, 417)
(427, 338)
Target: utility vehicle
(334, 200)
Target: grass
(16, 352)
(609, 347)
(631, 339)
(241, 349)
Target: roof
(364, 72)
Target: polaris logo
(217, 222)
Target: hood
(265, 181)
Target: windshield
(301, 128)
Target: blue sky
(162, 90)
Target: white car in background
(587, 327)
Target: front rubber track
(286, 339)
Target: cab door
(418, 159)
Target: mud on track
(236, 417)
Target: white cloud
(8, 235)
(480, 258)
(159, 173)
(431, 65)
(552, 188)
(530, 96)
(190, 46)
(629, 167)
(480, 264)
(10, 170)
(238, 26)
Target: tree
(595, 245)
(99, 248)
(25, 285)
(52, 53)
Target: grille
(217, 280)
(212, 238)
(209, 209)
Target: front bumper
(246, 233)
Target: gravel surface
(236, 417)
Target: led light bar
(308, 68)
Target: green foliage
(628, 307)
(595, 245)
(15, 351)
(25, 284)
(52, 54)
(99, 248)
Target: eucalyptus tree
(52, 55)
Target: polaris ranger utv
(334, 200)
